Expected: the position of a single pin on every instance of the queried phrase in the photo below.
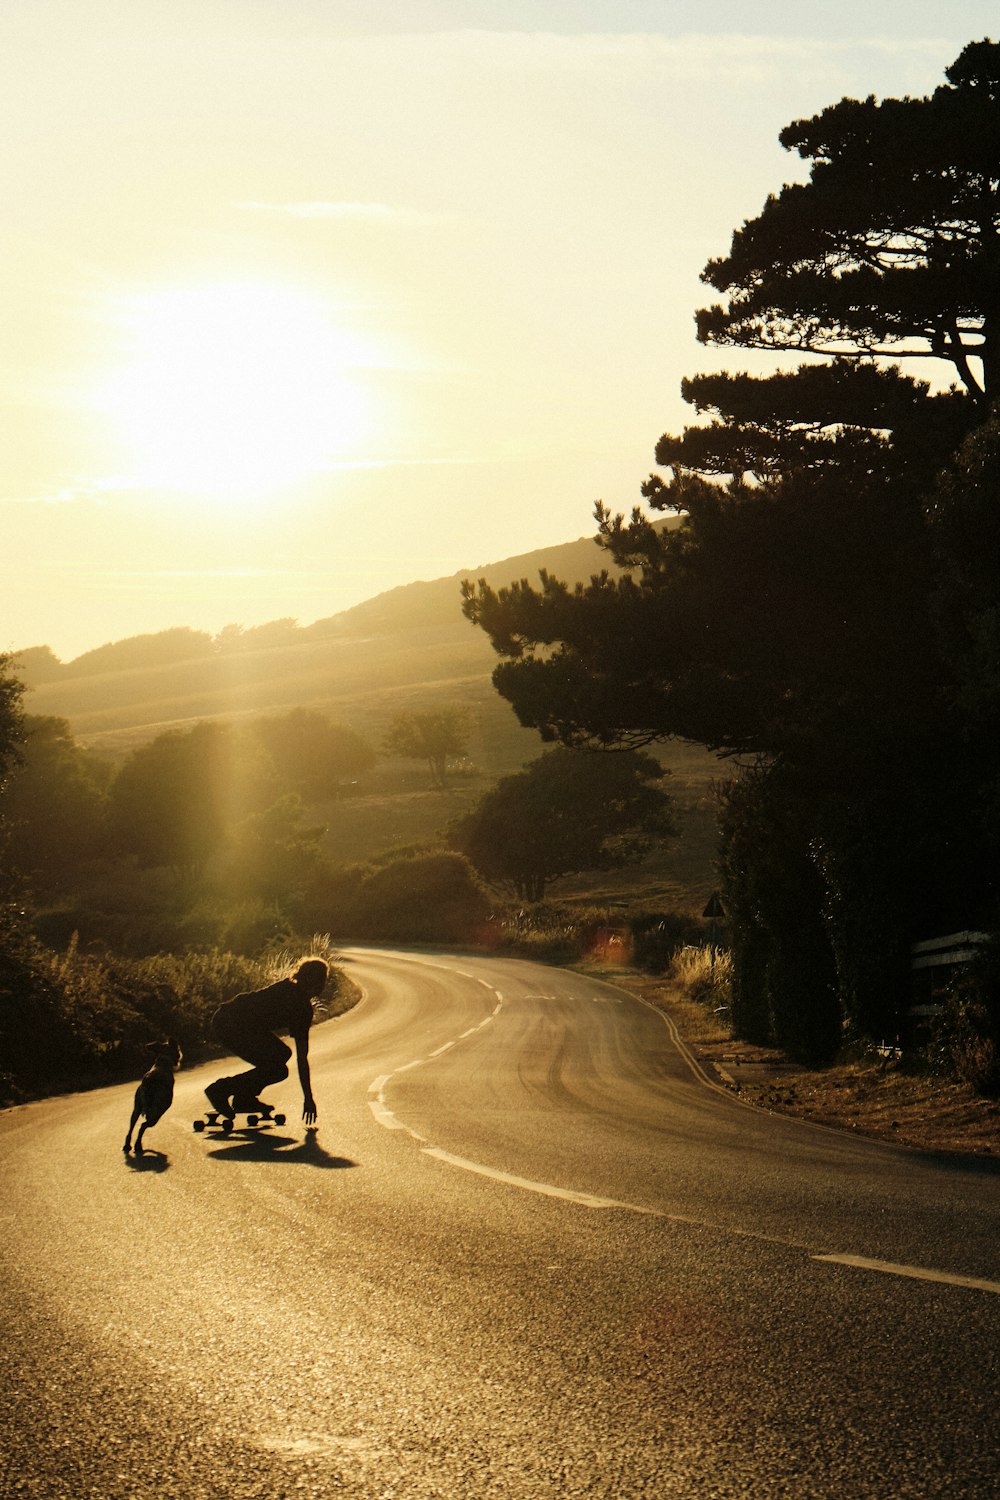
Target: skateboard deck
(255, 1118)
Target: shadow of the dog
(148, 1161)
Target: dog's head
(166, 1052)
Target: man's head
(311, 976)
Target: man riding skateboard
(248, 1025)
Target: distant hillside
(410, 642)
(407, 649)
(436, 603)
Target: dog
(155, 1093)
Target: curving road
(530, 1252)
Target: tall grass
(705, 974)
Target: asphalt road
(529, 1252)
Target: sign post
(713, 911)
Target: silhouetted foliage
(784, 987)
(37, 664)
(427, 896)
(967, 1033)
(887, 251)
(889, 248)
(568, 811)
(70, 1020)
(964, 519)
(836, 622)
(54, 807)
(770, 617)
(11, 717)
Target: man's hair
(313, 972)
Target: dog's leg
(138, 1140)
(131, 1126)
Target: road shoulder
(882, 1100)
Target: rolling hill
(410, 642)
(407, 649)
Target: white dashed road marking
(916, 1273)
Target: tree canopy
(435, 736)
(11, 716)
(829, 614)
(175, 799)
(781, 607)
(54, 806)
(888, 251)
(774, 614)
(566, 812)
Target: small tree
(568, 811)
(435, 737)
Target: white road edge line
(588, 1200)
(376, 1089)
(385, 1117)
(916, 1273)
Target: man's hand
(309, 1109)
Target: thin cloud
(358, 213)
(690, 56)
(91, 489)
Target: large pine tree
(795, 614)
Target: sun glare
(233, 392)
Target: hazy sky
(303, 299)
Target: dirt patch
(882, 1098)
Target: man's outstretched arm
(305, 1079)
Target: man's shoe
(247, 1105)
(218, 1097)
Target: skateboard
(213, 1120)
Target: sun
(233, 392)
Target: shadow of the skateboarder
(259, 1145)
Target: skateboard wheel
(278, 1119)
(253, 1119)
(199, 1126)
(227, 1127)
